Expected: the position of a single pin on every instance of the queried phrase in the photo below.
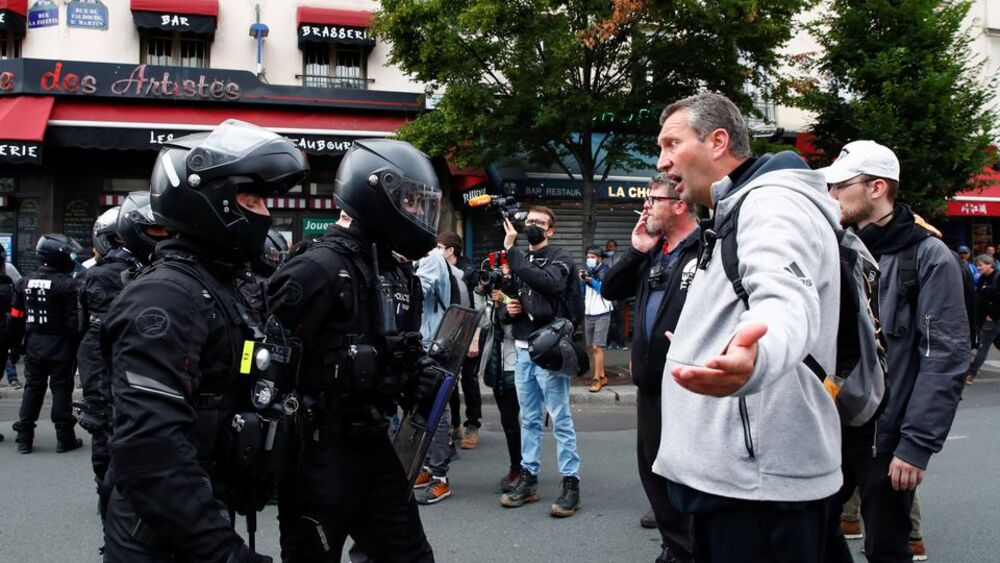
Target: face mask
(610, 253)
(535, 234)
(252, 239)
(591, 263)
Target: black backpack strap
(907, 266)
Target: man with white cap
(924, 320)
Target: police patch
(152, 322)
(291, 293)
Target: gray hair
(661, 180)
(985, 259)
(709, 111)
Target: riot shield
(449, 348)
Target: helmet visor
(228, 142)
(418, 200)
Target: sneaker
(509, 481)
(599, 382)
(436, 492)
(569, 499)
(423, 479)
(851, 529)
(471, 438)
(648, 520)
(16, 384)
(918, 549)
(456, 433)
(63, 447)
(524, 492)
(969, 378)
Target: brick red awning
(197, 7)
(332, 16)
(984, 202)
(17, 6)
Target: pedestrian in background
(616, 332)
(9, 276)
(987, 310)
(657, 272)
(964, 254)
(597, 311)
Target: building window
(334, 66)
(10, 46)
(174, 49)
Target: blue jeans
(987, 333)
(538, 388)
(11, 371)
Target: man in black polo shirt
(657, 271)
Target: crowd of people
(221, 370)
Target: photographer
(598, 313)
(542, 274)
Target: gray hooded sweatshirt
(789, 259)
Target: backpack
(858, 386)
(6, 298)
(907, 259)
(571, 302)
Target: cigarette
(637, 212)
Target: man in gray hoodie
(750, 440)
(926, 329)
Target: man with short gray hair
(750, 441)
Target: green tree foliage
(533, 78)
(900, 72)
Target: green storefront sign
(316, 225)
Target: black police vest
(46, 313)
(341, 342)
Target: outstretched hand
(724, 375)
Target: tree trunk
(587, 171)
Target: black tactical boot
(526, 491)
(25, 437)
(569, 500)
(66, 440)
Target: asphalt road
(48, 505)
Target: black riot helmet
(551, 347)
(391, 190)
(135, 215)
(58, 251)
(196, 179)
(275, 250)
(106, 232)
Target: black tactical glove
(94, 420)
(244, 555)
(425, 380)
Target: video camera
(501, 208)
(490, 274)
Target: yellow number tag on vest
(247, 356)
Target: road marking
(956, 437)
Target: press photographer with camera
(542, 276)
(598, 313)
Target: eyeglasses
(840, 188)
(652, 199)
(537, 222)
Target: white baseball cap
(862, 157)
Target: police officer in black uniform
(123, 239)
(175, 335)
(340, 295)
(45, 316)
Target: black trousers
(762, 532)
(469, 381)
(886, 512)
(356, 488)
(675, 527)
(56, 375)
(510, 411)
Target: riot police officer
(175, 336)
(45, 316)
(341, 295)
(123, 240)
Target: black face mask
(535, 234)
(253, 236)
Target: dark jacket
(988, 298)
(542, 277)
(927, 346)
(630, 278)
(174, 357)
(45, 314)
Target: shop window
(174, 49)
(334, 66)
(126, 184)
(10, 46)
(321, 188)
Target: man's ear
(719, 139)
(879, 188)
